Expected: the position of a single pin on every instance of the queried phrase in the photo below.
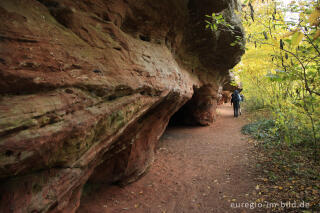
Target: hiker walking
(235, 101)
(241, 100)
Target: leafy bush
(262, 130)
(281, 71)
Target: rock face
(88, 87)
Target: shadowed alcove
(199, 110)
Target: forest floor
(214, 169)
(196, 169)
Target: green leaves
(217, 19)
(279, 76)
(297, 38)
(217, 22)
(214, 21)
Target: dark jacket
(235, 97)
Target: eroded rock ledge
(88, 87)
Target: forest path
(196, 169)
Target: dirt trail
(197, 169)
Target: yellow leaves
(316, 35)
(302, 16)
(297, 38)
(289, 33)
(275, 42)
(314, 17)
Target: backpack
(236, 97)
(242, 97)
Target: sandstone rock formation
(88, 87)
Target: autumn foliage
(280, 71)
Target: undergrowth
(285, 172)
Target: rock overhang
(93, 82)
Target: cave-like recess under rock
(88, 87)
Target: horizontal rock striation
(88, 87)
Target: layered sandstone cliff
(88, 87)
